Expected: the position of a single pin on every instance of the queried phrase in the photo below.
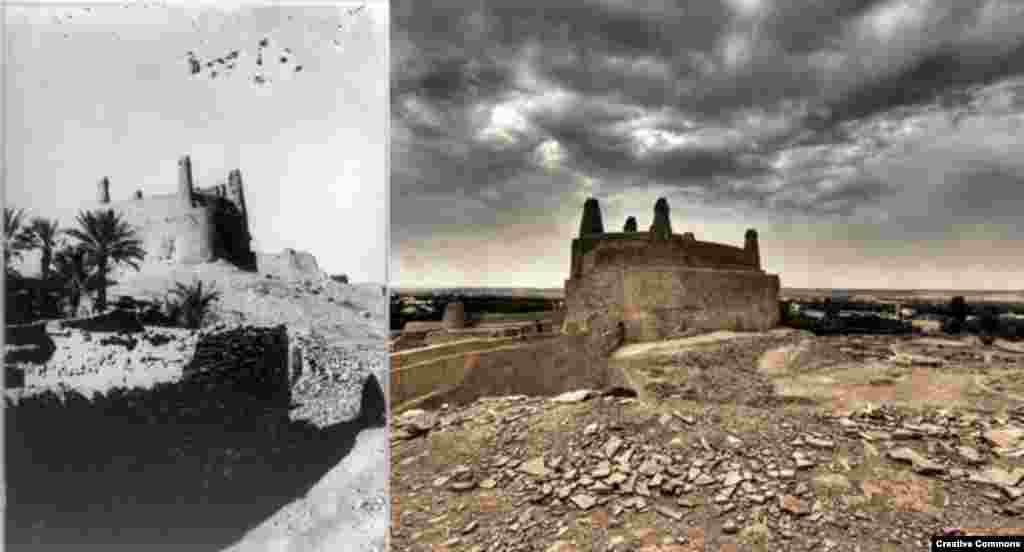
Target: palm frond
(43, 232)
(190, 303)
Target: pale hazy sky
(872, 143)
(99, 90)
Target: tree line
(77, 261)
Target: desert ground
(781, 440)
(111, 447)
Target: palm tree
(15, 236)
(108, 239)
(42, 234)
(191, 303)
(74, 269)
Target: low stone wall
(290, 265)
(430, 353)
(660, 303)
(548, 367)
(249, 359)
(489, 331)
(542, 366)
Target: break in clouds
(872, 142)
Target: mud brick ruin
(250, 359)
(658, 284)
(194, 225)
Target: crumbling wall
(246, 359)
(548, 366)
(290, 265)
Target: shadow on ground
(28, 343)
(171, 468)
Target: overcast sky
(99, 90)
(872, 143)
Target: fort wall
(190, 226)
(656, 303)
(658, 284)
(168, 230)
(546, 366)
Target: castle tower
(751, 247)
(630, 225)
(236, 193)
(591, 223)
(185, 187)
(662, 227)
(454, 316)
(103, 190)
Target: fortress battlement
(658, 283)
(192, 225)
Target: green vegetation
(42, 234)
(16, 238)
(190, 304)
(109, 240)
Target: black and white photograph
(195, 253)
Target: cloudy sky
(99, 90)
(872, 143)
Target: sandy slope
(346, 510)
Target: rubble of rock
(639, 476)
(331, 376)
(59, 356)
(246, 358)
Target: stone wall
(431, 353)
(547, 366)
(659, 303)
(654, 285)
(290, 265)
(169, 230)
(638, 249)
(246, 359)
(190, 226)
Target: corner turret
(185, 187)
(236, 192)
(591, 223)
(662, 227)
(751, 247)
(103, 190)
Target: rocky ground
(775, 441)
(309, 476)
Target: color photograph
(706, 275)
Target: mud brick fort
(658, 284)
(191, 226)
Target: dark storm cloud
(804, 27)
(702, 94)
(453, 80)
(940, 75)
